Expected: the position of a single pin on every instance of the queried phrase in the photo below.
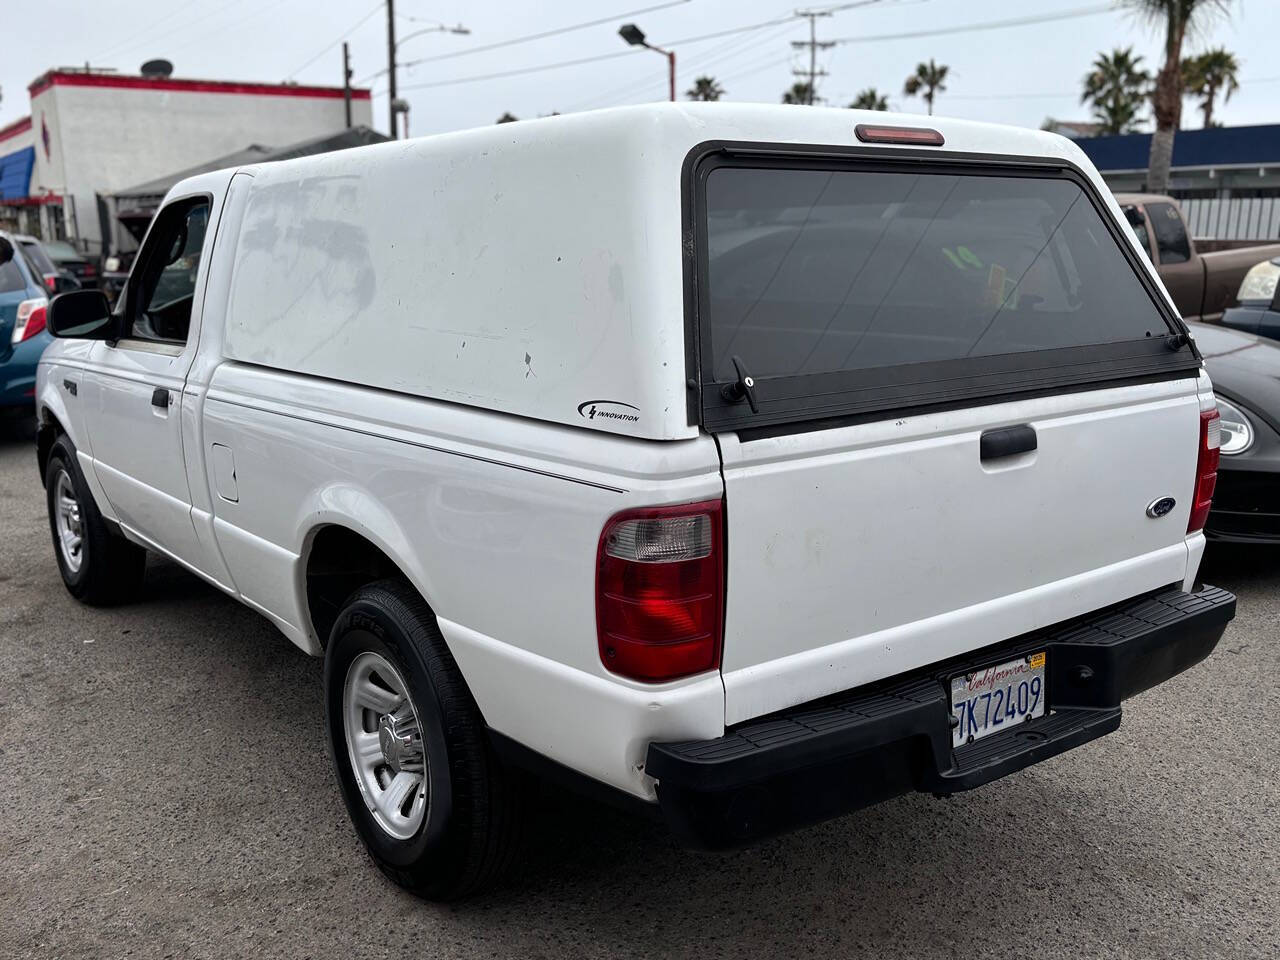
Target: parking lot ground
(165, 792)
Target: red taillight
(51, 281)
(1206, 470)
(919, 136)
(89, 270)
(30, 321)
(660, 591)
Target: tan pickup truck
(1202, 284)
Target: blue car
(23, 336)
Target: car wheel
(98, 565)
(436, 808)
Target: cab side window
(1139, 225)
(160, 306)
(1171, 235)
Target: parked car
(115, 271)
(1259, 309)
(23, 334)
(56, 280)
(1245, 370)
(1202, 285)
(67, 258)
(732, 462)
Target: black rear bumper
(825, 758)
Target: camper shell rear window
(849, 286)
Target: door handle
(1007, 441)
(160, 398)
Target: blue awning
(15, 173)
(1215, 147)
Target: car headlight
(1237, 431)
(1259, 284)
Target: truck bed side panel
(500, 541)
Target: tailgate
(948, 396)
(859, 553)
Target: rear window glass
(38, 257)
(817, 271)
(11, 279)
(1171, 235)
(61, 250)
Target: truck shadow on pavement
(189, 689)
(594, 880)
(17, 431)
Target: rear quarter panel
(494, 519)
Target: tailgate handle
(1007, 441)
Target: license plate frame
(998, 697)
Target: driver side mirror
(80, 314)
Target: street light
(635, 36)
(393, 45)
(438, 28)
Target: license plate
(997, 698)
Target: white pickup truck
(743, 464)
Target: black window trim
(823, 400)
(128, 303)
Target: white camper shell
(704, 454)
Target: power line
(790, 18)
(537, 68)
(359, 23)
(988, 25)
(133, 44)
(1063, 96)
(544, 34)
(132, 38)
(520, 71)
(1012, 96)
(204, 37)
(699, 63)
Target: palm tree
(1117, 88)
(1176, 18)
(870, 99)
(705, 88)
(1204, 76)
(928, 81)
(800, 92)
(508, 117)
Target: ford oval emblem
(1161, 507)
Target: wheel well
(48, 431)
(340, 563)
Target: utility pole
(813, 43)
(391, 65)
(346, 82)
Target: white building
(91, 134)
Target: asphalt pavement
(164, 792)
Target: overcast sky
(1014, 74)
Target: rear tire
(398, 709)
(98, 565)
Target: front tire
(436, 809)
(98, 565)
